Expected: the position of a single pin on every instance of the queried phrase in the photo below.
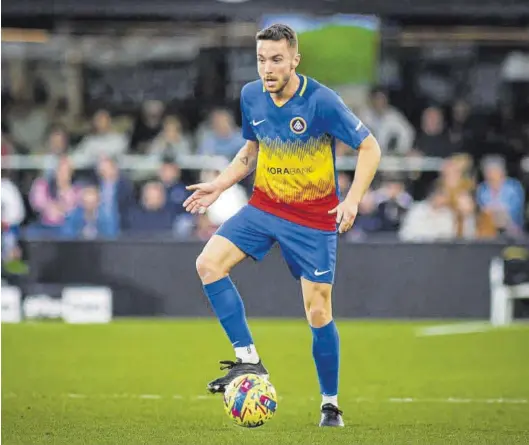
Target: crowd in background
(478, 194)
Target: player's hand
(204, 194)
(345, 215)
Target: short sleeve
(339, 121)
(247, 129)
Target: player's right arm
(206, 193)
(242, 165)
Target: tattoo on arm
(244, 160)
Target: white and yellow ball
(250, 401)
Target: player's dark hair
(278, 32)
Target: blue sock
(229, 309)
(326, 353)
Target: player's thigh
(251, 230)
(217, 258)
(309, 253)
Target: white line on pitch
(497, 400)
(453, 329)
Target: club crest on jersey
(298, 125)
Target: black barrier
(382, 280)
(255, 8)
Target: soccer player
(291, 124)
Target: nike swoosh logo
(318, 273)
(255, 124)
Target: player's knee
(208, 269)
(319, 316)
(318, 305)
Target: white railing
(199, 162)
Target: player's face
(276, 62)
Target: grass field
(143, 382)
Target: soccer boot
(235, 369)
(331, 415)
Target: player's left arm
(343, 124)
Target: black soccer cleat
(331, 415)
(236, 369)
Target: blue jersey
(296, 173)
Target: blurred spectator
(53, 199)
(90, 219)
(391, 128)
(501, 197)
(228, 203)
(344, 184)
(13, 210)
(153, 214)
(433, 139)
(13, 213)
(204, 229)
(147, 126)
(457, 182)
(28, 123)
(116, 190)
(392, 203)
(7, 146)
(102, 141)
(465, 213)
(429, 220)
(368, 220)
(170, 176)
(223, 138)
(455, 177)
(171, 141)
(57, 145)
(460, 131)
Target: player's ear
(296, 60)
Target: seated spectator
(57, 146)
(460, 130)
(91, 219)
(433, 139)
(228, 203)
(391, 128)
(467, 224)
(344, 184)
(170, 177)
(456, 181)
(171, 141)
(13, 210)
(368, 219)
(53, 199)
(429, 220)
(500, 197)
(147, 126)
(102, 141)
(392, 203)
(8, 148)
(28, 120)
(116, 190)
(455, 178)
(204, 228)
(223, 138)
(153, 214)
(13, 213)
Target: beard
(281, 84)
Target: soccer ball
(250, 401)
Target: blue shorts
(309, 253)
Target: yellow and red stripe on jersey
(295, 180)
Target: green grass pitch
(143, 382)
